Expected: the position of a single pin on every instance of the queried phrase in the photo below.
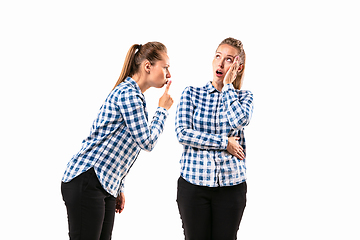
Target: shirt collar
(210, 88)
(133, 83)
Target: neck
(218, 84)
(141, 82)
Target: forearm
(149, 138)
(239, 106)
(201, 140)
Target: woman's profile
(93, 183)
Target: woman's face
(224, 57)
(159, 72)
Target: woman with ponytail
(93, 183)
(210, 123)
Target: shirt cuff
(121, 187)
(163, 111)
(224, 142)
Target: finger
(237, 62)
(240, 152)
(168, 86)
(119, 210)
(243, 154)
(233, 67)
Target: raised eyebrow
(226, 55)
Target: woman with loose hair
(93, 183)
(210, 123)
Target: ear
(147, 66)
(240, 67)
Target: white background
(60, 59)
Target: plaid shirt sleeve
(239, 109)
(132, 107)
(185, 131)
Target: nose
(168, 75)
(221, 63)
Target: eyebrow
(226, 55)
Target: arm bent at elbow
(239, 107)
(201, 140)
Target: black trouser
(91, 210)
(210, 213)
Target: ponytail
(150, 51)
(129, 59)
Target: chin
(161, 86)
(218, 79)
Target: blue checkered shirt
(205, 118)
(117, 135)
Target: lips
(219, 73)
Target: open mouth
(219, 73)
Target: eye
(217, 56)
(229, 60)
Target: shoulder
(245, 93)
(194, 91)
(126, 91)
(245, 96)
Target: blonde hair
(239, 46)
(137, 53)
